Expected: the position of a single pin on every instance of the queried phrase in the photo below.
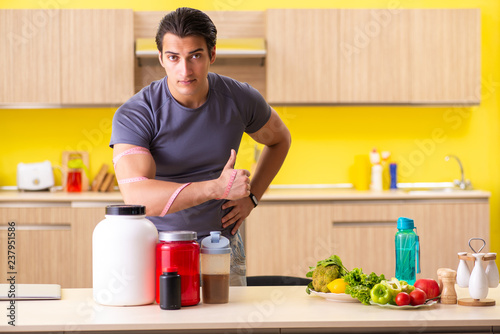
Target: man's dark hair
(185, 22)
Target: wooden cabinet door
(285, 238)
(30, 57)
(445, 229)
(302, 63)
(52, 244)
(43, 245)
(363, 233)
(359, 56)
(374, 57)
(445, 53)
(85, 220)
(97, 56)
(363, 236)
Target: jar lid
(126, 210)
(405, 223)
(215, 244)
(176, 235)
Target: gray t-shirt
(190, 145)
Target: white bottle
(463, 272)
(492, 273)
(478, 283)
(376, 179)
(123, 257)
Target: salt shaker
(492, 272)
(463, 273)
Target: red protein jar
(179, 249)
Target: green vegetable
(360, 292)
(360, 284)
(405, 287)
(394, 288)
(325, 271)
(381, 293)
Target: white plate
(406, 307)
(335, 297)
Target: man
(174, 143)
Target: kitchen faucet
(462, 183)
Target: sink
(435, 190)
(430, 188)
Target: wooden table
(281, 309)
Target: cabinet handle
(364, 223)
(38, 227)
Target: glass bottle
(179, 249)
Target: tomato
(417, 297)
(337, 286)
(402, 299)
(429, 286)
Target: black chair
(276, 280)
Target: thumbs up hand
(233, 183)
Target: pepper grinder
(448, 294)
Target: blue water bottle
(407, 251)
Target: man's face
(186, 62)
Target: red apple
(402, 299)
(429, 286)
(417, 297)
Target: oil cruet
(463, 273)
(480, 280)
(492, 273)
(478, 283)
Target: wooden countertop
(79, 199)
(351, 194)
(8, 197)
(275, 309)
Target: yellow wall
(325, 139)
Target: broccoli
(325, 271)
(323, 275)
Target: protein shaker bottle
(215, 267)
(179, 249)
(407, 251)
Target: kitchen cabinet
(97, 53)
(241, 50)
(364, 233)
(66, 57)
(53, 244)
(30, 56)
(286, 237)
(359, 56)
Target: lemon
(337, 286)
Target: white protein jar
(123, 257)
